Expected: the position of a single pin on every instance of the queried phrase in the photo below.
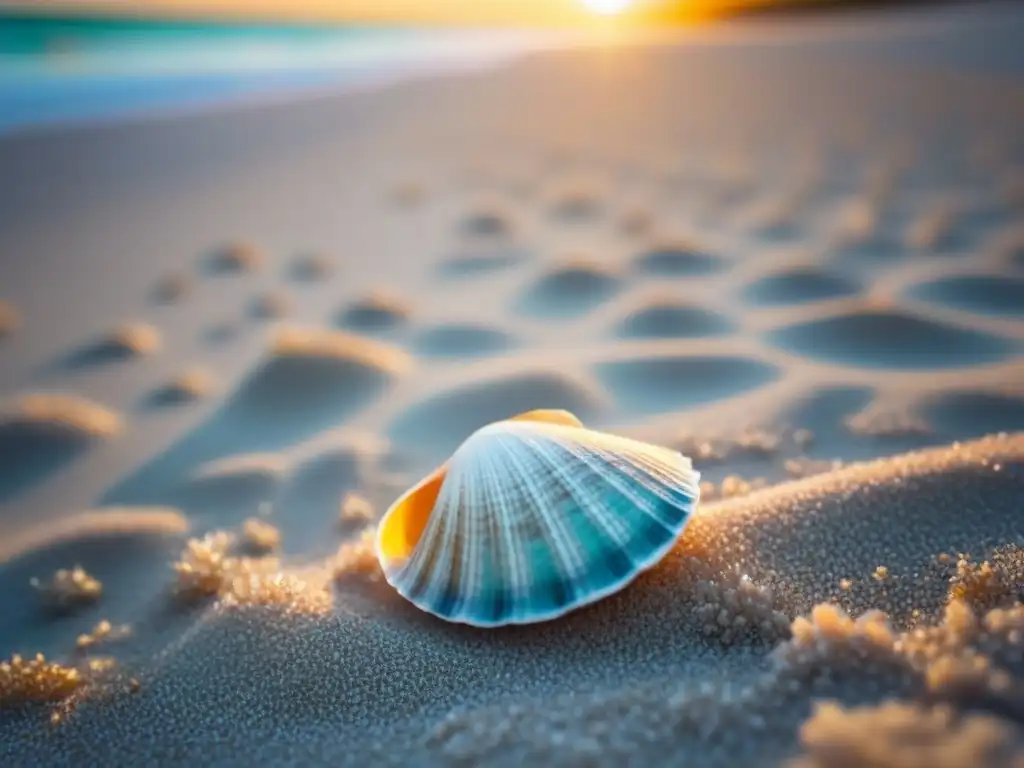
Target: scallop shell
(533, 517)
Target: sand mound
(655, 384)
(569, 291)
(799, 286)
(984, 294)
(457, 340)
(128, 341)
(899, 734)
(437, 425)
(661, 700)
(380, 311)
(477, 263)
(666, 318)
(234, 258)
(677, 260)
(41, 433)
(892, 339)
(311, 380)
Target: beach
(230, 338)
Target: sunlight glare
(606, 7)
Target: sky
(529, 12)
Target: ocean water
(71, 70)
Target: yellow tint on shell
(404, 523)
(551, 416)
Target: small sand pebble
(103, 632)
(69, 588)
(36, 680)
(356, 509)
(259, 536)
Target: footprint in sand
(477, 262)
(129, 341)
(800, 286)
(891, 339)
(311, 379)
(962, 415)
(118, 547)
(983, 294)
(224, 492)
(665, 318)
(461, 340)
(569, 291)
(677, 260)
(191, 385)
(311, 267)
(379, 312)
(434, 427)
(42, 433)
(488, 222)
(652, 384)
(233, 259)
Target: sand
(792, 252)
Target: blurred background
(85, 59)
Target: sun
(607, 7)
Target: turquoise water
(60, 70)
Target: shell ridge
(659, 491)
(567, 560)
(514, 557)
(594, 520)
(624, 516)
(600, 465)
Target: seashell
(533, 517)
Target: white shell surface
(535, 519)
